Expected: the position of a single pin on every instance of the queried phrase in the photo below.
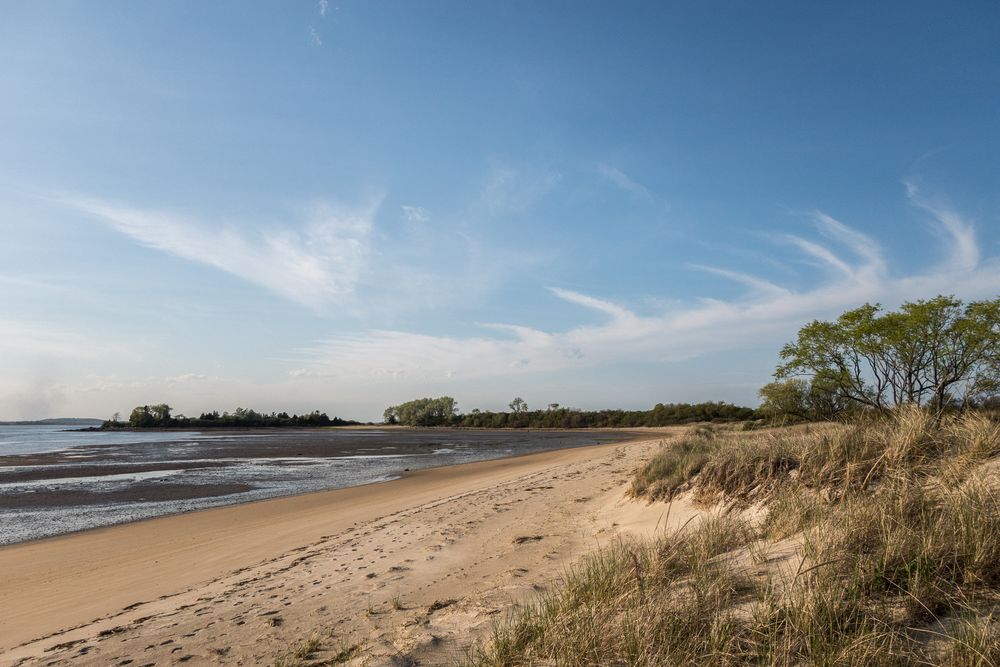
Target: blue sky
(343, 205)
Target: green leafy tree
(518, 406)
(422, 412)
(800, 399)
(391, 415)
(431, 412)
(160, 415)
(931, 353)
(141, 417)
(785, 399)
(823, 399)
(160, 412)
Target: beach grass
(674, 465)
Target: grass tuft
(673, 466)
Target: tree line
(443, 411)
(160, 416)
(940, 354)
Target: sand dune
(411, 569)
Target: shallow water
(35, 439)
(54, 481)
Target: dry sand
(403, 572)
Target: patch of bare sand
(410, 570)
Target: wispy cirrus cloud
(860, 244)
(315, 262)
(23, 339)
(416, 214)
(757, 284)
(515, 191)
(852, 267)
(616, 312)
(958, 232)
(821, 255)
(95, 383)
(871, 268)
(630, 186)
(622, 181)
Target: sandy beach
(409, 570)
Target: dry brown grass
(673, 466)
(610, 609)
(899, 529)
(315, 652)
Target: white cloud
(185, 378)
(616, 312)
(52, 393)
(860, 244)
(512, 191)
(959, 233)
(767, 313)
(758, 284)
(22, 339)
(621, 180)
(416, 214)
(314, 263)
(324, 5)
(821, 253)
(108, 383)
(21, 282)
(314, 37)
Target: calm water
(53, 480)
(38, 439)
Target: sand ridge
(403, 572)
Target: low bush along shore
(870, 544)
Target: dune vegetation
(872, 543)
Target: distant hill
(58, 421)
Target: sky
(345, 205)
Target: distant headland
(160, 416)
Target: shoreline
(405, 474)
(364, 427)
(74, 580)
(197, 480)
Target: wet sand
(223, 444)
(139, 492)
